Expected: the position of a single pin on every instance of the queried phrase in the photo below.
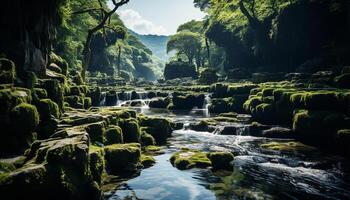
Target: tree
(186, 43)
(105, 16)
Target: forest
(252, 101)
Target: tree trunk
(208, 50)
(118, 61)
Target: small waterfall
(218, 130)
(206, 103)
(242, 130)
(103, 99)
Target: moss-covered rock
(96, 95)
(54, 91)
(96, 132)
(147, 161)
(319, 127)
(114, 135)
(343, 81)
(159, 128)
(7, 71)
(278, 132)
(159, 103)
(111, 98)
(75, 101)
(97, 163)
(187, 102)
(203, 125)
(288, 147)
(187, 159)
(87, 102)
(131, 130)
(48, 108)
(9, 98)
(147, 139)
(122, 157)
(221, 160)
(25, 118)
(230, 104)
(40, 93)
(208, 76)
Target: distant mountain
(156, 43)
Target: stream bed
(257, 173)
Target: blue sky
(161, 17)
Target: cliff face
(27, 30)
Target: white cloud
(134, 21)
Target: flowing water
(257, 173)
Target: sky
(159, 17)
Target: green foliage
(179, 69)
(186, 43)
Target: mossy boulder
(219, 90)
(319, 127)
(40, 93)
(187, 101)
(159, 103)
(278, 132)
(111, 98)
(159, 128)
(48, 108)
(96, 95)
(75, 101)
(221, 160)
(114, 135)
(203, 125)
(179, 69)
(97, 163)
(288, 147)
(343, 81)
(131, 130)
(122, 157)
(147, 161)
(54, 91)
(187, 159)
(25, 118)
(230, 104)
(87, 102)
(7, 71)
(147, 139)
(208, 76)
(96, 132)
(9, 98)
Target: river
(257, 173)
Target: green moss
(186, 159)
(96, 132)
(221, 160)
(131, 130)
(252, 103)
(48, 108)
(287, 146)
(152, 148)
(9, 98)
(87, 102)
(25, 118)
(75, 101)
(187, 101)
(96, 163)
(147, 161)
(6, 167)
(40, 93)
(54, 91)
(122, 157)
(114, 135)
(159, 128)
(147, 139)
(7, 71)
